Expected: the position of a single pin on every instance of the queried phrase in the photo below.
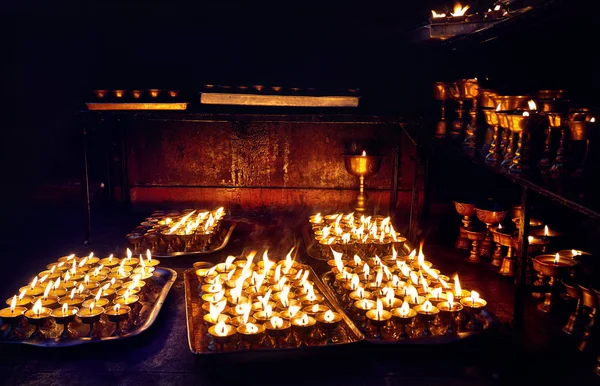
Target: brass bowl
(572, 289)
(550, 94)
(533, 223)
(490, 216)
(589, 297)
(552, 105)
(517, 122)
(503, 119)
(504, 239)
(491, 117)
(464, 209)
(486, 100)
(440, 91)
(362, 166)
(475, 235)
(137, 94)
(581, 130)
(556, 120)
(510, 102)
(546, 266)
(119, 93)
(454, 91)
(100, 93)
(468, 88)
(173, 93)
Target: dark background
(55, 52)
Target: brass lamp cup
(485, 99)
(510, 102)
(476, 237)
(492, 138)
(550, 94)
(545, 265)
(552, 105)
(467, 210)
(440, 91)
(362, 166)
(590, 299)
(505, 262)
(574, 323)
(468, 88)
(489, 218)
(581, 130)
(515, 157)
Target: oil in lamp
(32, 289)
(251, 334)
(48, 300)
(22, 299)
(110, 261)
(403, 316)
(362, 166)
(315, 309)
(65, 315)
(473, 304)
(73, 300)
(36, 316)
(552, 267)
(127, 299)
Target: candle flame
(412, 255)
(37, 307)
(436, 15)
(556, 258)
(276, 322)
(389, 297)
(48, 289)
(293, 310)
(474, 297)
(129, 254)
(22, 294)
(13, 304)
(427, 306)
(405, 309)
(593, 119)
(72, 293)
(531, 104)
(221, 328)
(92, 304)
(117, 307)
(459, 10)
(436, 293)
(575, 252)
(379, 278)
(457, 288)
(65, 309)
(303, 320)
(315, 308)
(33, 282)
(498, 107)
(364, 153)
(360, 291)
(354, 282)
(546, 230)
(329, 316)
(357, 260)
(450, 299)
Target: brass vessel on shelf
(489, 218)
(550, 94)
(458, 124)
(362, 166)
(493, 148)
(552, 267)
(485, 99)
(510, 102)
(469, 89)
(517, 157)
(476, 236)
(504, 261)
(466, 210)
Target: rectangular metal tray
(197, 336)
(312, 248)
(228, 232)
(97, 106)
(489, 322)
(166, 278)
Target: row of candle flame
(402, 285)
(193, 222)
(264, 295)
(83, 276)
(460, 11)
(346, 228)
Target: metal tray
(489, 321)
(312, 248)
(226, 238)
(164, 276)
(198, 340)
(98, 106)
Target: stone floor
(161, 355)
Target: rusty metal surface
(256, 154)
(137, 106)
(277, 100)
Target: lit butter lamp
(403, 316)
(328, 322)
(12, 315)
(303, 327)
(427, 312)
(473, 304)
(37, 316)
(65, 315)
(22, 300)
(90, 315)
(110, 261)
(362, 166)
(552, 267)
(252, 334)
(449, 309)
(221, 334)
(74, 299)
(376, 319)
(117, 314)
(278, 330)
